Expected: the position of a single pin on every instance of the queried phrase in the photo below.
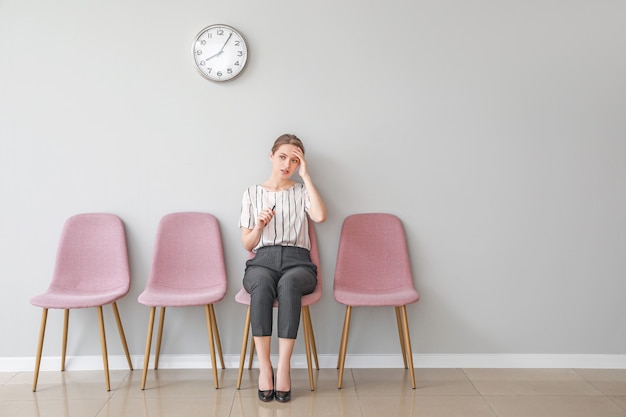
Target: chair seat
(162, 296)
(62, 298)
(389, 297)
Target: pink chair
(91, 270)
(187, 270)
(243, 297)
(373, 269)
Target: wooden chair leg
(401, 335)
(103, 342)
(343, 335)
(157, 354)
(252, 349)
(146, 356)
(216, 332)
(407, 340)
(122, 335)
(344, 345)
(312, 333)
(209, 325)
(42, 332)
(66, 322)
(244, 347)
(307, 347)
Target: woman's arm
(317, 211)
(250, 237)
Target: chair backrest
(92, 254)
(372, 253)
(188, 252)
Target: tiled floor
(366, 393)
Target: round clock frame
(220, 52)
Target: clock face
(220, 52)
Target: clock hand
(221, 50)
(224, 46)
(213, 56)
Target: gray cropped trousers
(285, 273)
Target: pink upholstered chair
(243, 297)
(187, 270)
(91, 270)
(373, 269)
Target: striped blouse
(289, 226)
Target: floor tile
(395, 382)
(166, 406)
(178, 383)
(554, 406)
(50, 408)
(76, 391)
(326, 381)
(81, 381)
(530, 382)
(621, 401)
(426, 406)
(299, 406)
(608, 381)
(6, 376)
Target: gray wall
(494, 129)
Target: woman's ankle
(283, 379)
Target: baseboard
(582, 361)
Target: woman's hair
(287, 139)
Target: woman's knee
(297, 284)
(256, 280)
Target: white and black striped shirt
(289, 226)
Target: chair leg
(146, 356)
(209, 325)
(42, 332)
(66, 321)
(216, 332)
(157, 354)
(307, 346)
(313, 344)
(122, 335)
(244, 346)
(252, 349)
(103, 342)
(401, 335)
(344, 345)
(407, 340)
(342, 341)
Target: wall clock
(220, 52)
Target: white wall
(494, 129)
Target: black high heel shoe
(283, 396)
(267, 395)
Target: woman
(274, 225)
